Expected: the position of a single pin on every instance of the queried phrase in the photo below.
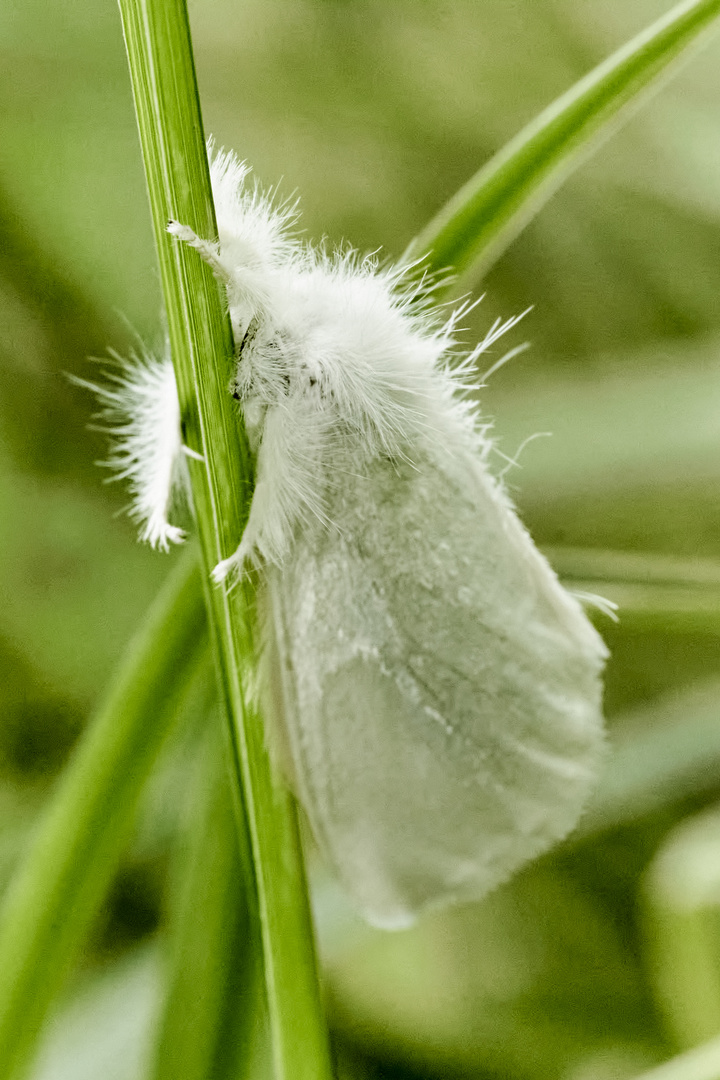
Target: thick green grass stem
(475, 227)
(79, 841)
(162, 74)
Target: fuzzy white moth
(437, 689)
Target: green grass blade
(651, 590)
(163, 80)
(633, 567)
(474, 228)
(57, 890)
(212, 1013)
(673, 609)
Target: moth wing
(440, 690)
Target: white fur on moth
(438, 691)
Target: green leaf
(77, 847)
(484, 217)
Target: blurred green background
(375, 112)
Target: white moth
(438, 690)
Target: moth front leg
(208, 250)
(288, 486)
(243, 283)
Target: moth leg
(208, 250)
(287, 486)
(244, 291)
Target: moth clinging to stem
(436, 690)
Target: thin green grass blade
(163, 80)
(476, 226)
(650, 590)
(672, 608)
(58, 889)
(213, 1015)
(634, 567)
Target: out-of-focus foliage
(375, 113)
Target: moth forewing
(441, 691)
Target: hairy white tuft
(142, 415)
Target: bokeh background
(375, 112)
